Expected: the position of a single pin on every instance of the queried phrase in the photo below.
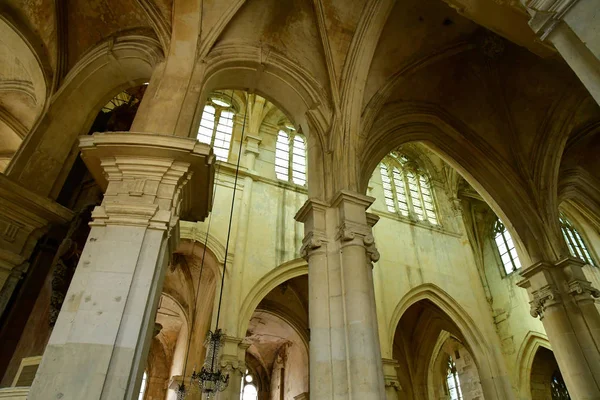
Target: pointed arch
(489, 364)
(529, 347)
(270, 281)
(476, 160)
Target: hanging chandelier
(211, 380)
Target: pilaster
(101, 339)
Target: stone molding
(354, 225)
(542, 299)
(149, 179)
(233, 356)
(550, 284)
(390, 375)
(252, 144)
(546, 14)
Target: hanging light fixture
(211, 379)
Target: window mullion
(291, 157)
(409, 200)
(423, 206)
(508, 249)
(395, 199)
(215, 126)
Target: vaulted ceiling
(475, 64)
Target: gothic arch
(270, 281)
(529, 347)
(488, 363)
(44, 159)
(476, 161)
(284, 83)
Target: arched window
(143, 387)
(574, 240)
(216, 127)
(506, 248)
(290, 157)
(248, 391)
(454, 391)
(407, 191)
(558, 386)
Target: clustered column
(564, 301)
(103, 331)
(345, 356)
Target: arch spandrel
(41, 162)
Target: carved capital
(149, 179)
(393, 383)
(582, 290)
(311, 243)
(542, 299)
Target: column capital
(546, 14)
(233, 356)
(549, 284)
(390, 374)
(149, 179)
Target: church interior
(300, 199)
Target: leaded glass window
(407, 190)
(290, 157)
(506, 248)
(216, 127)
(576, 244)
(453, 382)
(558, 387)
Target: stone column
(99, 345)
(345, 356)
(24, 217)
(233, 362)
(392, 384)
(563, 299)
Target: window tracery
(248, 390)
(558, 387)
(290, 157)
(576, 244)
(216, 127)
(453, 382)
(407, 190)
(506, 248)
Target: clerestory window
(506, 248)
(453, 382)
(407, 190)
(216, 127)
(576, 244)
(290, 157)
